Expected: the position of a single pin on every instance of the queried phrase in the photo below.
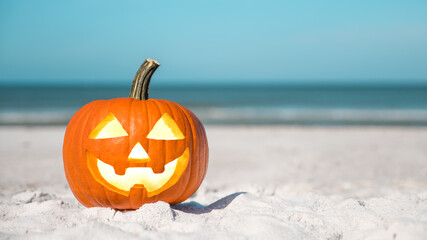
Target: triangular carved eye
(109, 127)
(165, 129)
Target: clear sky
(214, 41)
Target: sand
(262, 183)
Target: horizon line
(225, 83)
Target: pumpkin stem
(141, 81)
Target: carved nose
(138, 154)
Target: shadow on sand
(197, 208)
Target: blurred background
(231, 62)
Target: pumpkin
(122, 153)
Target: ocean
(252, 104)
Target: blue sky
(214, 41)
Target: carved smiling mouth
(138, 177)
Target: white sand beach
(263, 182)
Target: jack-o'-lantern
(124, 152)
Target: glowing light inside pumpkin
(165, 129)
(109, 127)
(152, 182)
(138, 154)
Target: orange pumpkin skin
(137, 117)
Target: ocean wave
(314, 116)
(252, 115)
(35, 117)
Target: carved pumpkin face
(125, 152)
(138, 165)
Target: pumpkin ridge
(156, 106)
(69, 171)
(128, 119)
(203, 158)
(190, 170)
(105, 190)
(164, 145)
(191, 173)
(82, 121)
(182, 183)
(90, 117)
(81, 115)
(111, 105)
